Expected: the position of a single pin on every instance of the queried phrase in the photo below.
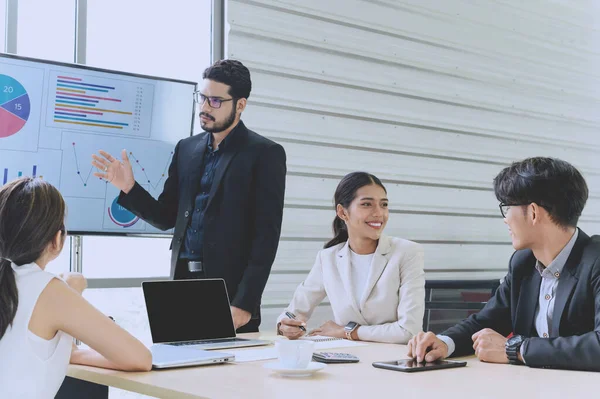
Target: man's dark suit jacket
(242, 223)
(575, 340)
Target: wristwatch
(349, 328)
(513, 347)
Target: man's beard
(220, 127)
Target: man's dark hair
(553, 184)
(232, 73)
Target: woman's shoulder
(31, 279)
(331, 252)
(57, 299)
(333, 249)
(403, 245)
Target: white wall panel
(417, 82)
(391, 107)
(369, 29)
(335, 160)
(433, 97)
(306, 125)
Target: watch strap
(348, 331)
(513, 349)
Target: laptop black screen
(188, 310)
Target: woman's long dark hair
(32, 211)
(344, 195)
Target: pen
(293, 317)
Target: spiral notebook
(321, 338)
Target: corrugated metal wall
(434, 97)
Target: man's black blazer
(243, 217)
(575, 340)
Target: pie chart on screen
(14, 106)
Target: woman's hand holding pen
(292, 329)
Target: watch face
(515, 340)
(350, 326)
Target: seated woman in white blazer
(375, 283)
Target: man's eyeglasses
(504, 208)
(213, 102)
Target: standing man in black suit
(224, 195)
(550, 298)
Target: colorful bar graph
(83, 101)
(19, 174)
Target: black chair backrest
(447, 302)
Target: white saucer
(312, 368)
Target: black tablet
(411, 365)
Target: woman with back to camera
(40, 313)
(375, 283)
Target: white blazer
(393, 305)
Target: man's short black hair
(553, 184)
(232, 73)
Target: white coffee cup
(295, 354)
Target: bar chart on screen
(44, 164)
(98, 104)
(20, 173)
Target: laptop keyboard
(210, 341)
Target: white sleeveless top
(30, 366)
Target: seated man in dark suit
(550, 298)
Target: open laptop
(192, 313)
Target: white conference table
(358, 380)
